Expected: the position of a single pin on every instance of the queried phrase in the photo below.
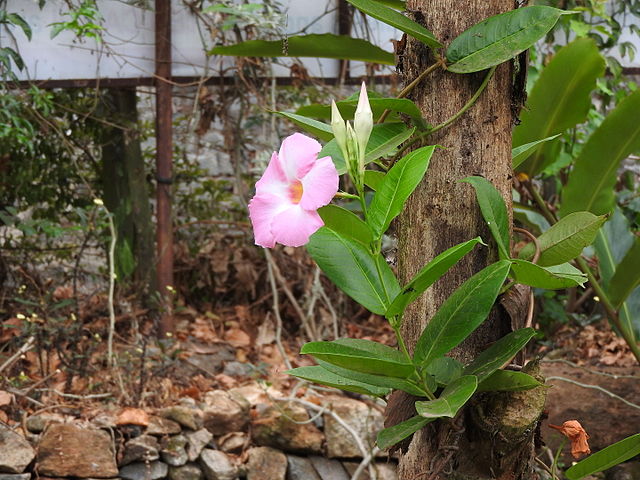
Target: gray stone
(329, 469)
(286, 427)
(217, 466)
(174, 451)
(233, 442)
(196, 442)
(190, 471)
(140, 449)
(67, 450)
(15, 451)
(15, 476)
(237, 369)
(363, 419)
(300, 468)
(37, 423)
(624, 471)
(266, 464)
(160, 426)
(384, 471)
(217, 354)
(225, 412)
(144, 471)
(187, 416)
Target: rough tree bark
(493, 437)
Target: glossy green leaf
(314, 127)
(324, 377)
(325, 45)
(362, 356)
(559, 100)
(396, 20)
(398, 184)
(352, 268)
(565, 240)
(397, 4)
(627, 276)
(384, 141)
(494, 212)
(499, 38)
(606, 458)
(523, 152)
(428, 275)
(20, 22)
(346, 223)
(452, 399)
(498, 354)
(552, 278)
(508, 381)
(461, 313)
(591, 182)
(373, 179)
(392, 435)
(445, 370)
(394, 383)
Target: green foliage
(392, 435)
(606, 458)
(83, 21)
(452, 399)
(508, 381)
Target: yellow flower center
(295, 191)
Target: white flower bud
(339, 128)
(363, 120)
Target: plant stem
(347, 195)
(544, 209)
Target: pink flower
(295, 184)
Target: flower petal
(263, 209)
(298, 154)
(320, 185)
(273, 180)
(294, 226)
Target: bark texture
(490, 439)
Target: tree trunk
(493, 437)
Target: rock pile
(240, 433)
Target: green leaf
(494, 212)
(396, 20)
(627, 276)
(392, 435)
(499, 38)
(397, 4)
(324, 377)
(559, 100)
(552, 278)
(591, 182)
(565, 240)
(508, 381)
(499, 353)
(523, 152)
(452, 399)
(445, 370)
(20, 22)
(399, 182)
(346, 223)
(373, 179)
(428, 275)
(352, 268)
(461, 313)
(362, 356)
(384, 140)
(324, 45)
(314, 127)
(606, 458)
(376, 380)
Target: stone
(15, 476)
(233, 441)
(329, 469)
(140, 449)
(174, 451)
(15, 452)
(104, 420)
(144, 471)
(624, 471)
(196, 441)
(161, 426)
(363, 419)
(217, 466)
(225, 412)
(384, 471)
(37, 423)
(300, 468)
(237, 369)
(266, 464)
(209, 357)
(190, 471)
(286, 427)
(187, 416)
(67, 450)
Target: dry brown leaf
(133, 416)
(237, 337)
(577, 435)
(5, 398)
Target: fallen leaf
(133, 416)
(237, 337)
(5, 398)
(577, 435)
